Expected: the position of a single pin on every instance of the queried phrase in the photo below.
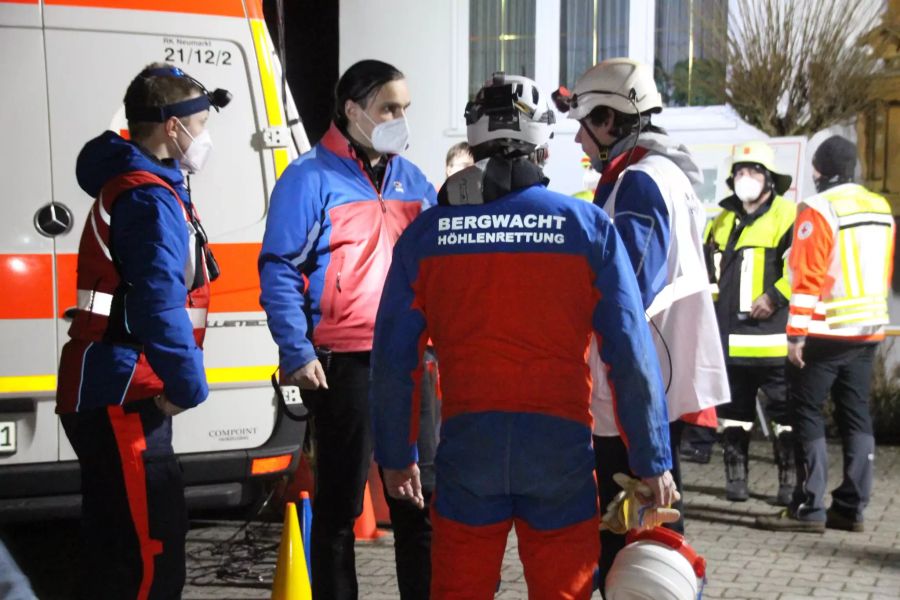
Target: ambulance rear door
(28, 425)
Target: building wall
(428, 41)
(419, 38)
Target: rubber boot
(737, 444)
(787, 472)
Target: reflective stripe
(748, 258)
(757, 341)
(197, 317)
(98, 303)
(726, 423)
(873, 317)
(103, 214)
(226, 375)
(851, 265)
(863, 311)
(27, 384)
(839, 304)
(804, 300)
(271, 96)
(757, 346)
(759, 272)
(799, 321)
(99, 239)
(821, 329)
(779, 429)
(856, 219)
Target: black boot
(737, 444)
(787, 472)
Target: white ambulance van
(63, 73)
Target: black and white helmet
(510, 110)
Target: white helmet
(762, 154)
(511, 109)
(622, 84)
(659, 565)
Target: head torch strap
(217, 99)
(158, 114)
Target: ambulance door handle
(53, 219)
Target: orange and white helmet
(657, 564)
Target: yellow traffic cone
(291, 574)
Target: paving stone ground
(743, 562)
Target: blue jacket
(327, 248)
(149, 241)
(510, 293)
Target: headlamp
(563, 99)
(217, 99)
(500, 103)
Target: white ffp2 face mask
(389, 137)
(194, 158)
(747, 189)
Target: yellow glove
(629, 509)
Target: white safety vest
(688, 334)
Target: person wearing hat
(515, 447)
(840, 264)
(745, 249)
(646, 187)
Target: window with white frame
(501, 38)
(691, 51)
(590, 31)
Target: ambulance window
(88, 72)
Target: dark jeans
(133, 513)
(744, 382)
(845, 370)
(412, 546)
(343, 452)
(611, 457)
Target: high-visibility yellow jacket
(746, 258)
(841, 265)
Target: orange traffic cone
(365, 528)
(291, 574)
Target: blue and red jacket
(642, 220)
(139, 326)
(510, 293)
(327, 247)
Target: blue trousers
(133, 513)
